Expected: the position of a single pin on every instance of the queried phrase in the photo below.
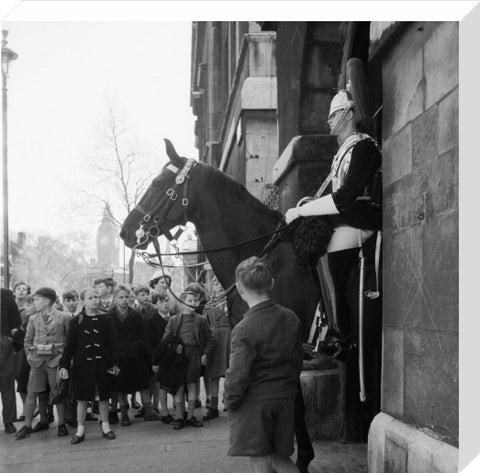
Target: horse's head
(164, 204)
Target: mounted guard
(351, 198)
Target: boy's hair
(141, 288)
(255, 274)
(120, 288)
(158, 297)
(153, 282)
(184, 295)
(73, 294)
(109, 282)
(21, 283)
(29, 299)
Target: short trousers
(259, 428)
(40, 379)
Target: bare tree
(119, 170)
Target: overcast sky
(59, 89)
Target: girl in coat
(91, 350)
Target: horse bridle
(160, 211)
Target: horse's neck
(223, 220)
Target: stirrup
(335, 349)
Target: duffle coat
(134, 361)
(91, 349)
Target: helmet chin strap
(340, 120)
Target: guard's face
(40, 303)
(91, 300)
(334, 122)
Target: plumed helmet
(341, 101)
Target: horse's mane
(236, 191)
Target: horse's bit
(168, 199)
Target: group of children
(114, 346)
(111, 341)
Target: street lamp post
(7, 56)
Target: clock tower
(108, 243)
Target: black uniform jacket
(358, 213)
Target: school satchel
(45, 349)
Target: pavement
(153, 447)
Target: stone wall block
(314, 107)
(442, 185)
(437, 387)
(425, 138)
(397, 156)
(326, 32)
(322, 66)
(392, 371)
(438, 281)
(413, 341)
(403, 262)
(420, 453)
(441, 62)
(395, 457)
(389, 438)
(403, 92)
(405, 203)
(448, 122)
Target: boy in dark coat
(134, 360)
(261, 381)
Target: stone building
(261, 93)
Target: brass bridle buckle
(171, 193)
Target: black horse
(225, 213)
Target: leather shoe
(110, 435)
(76, 439)
(167, 419)
(152, 416)
(193, 422)
(211, 414)
(62, 430)
(23, 433)
(40, 427)
(10, 428)
(178, 424)
(125, 420)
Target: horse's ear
(172, 154)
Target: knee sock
(80, 430)
(105, 426)
(191, 408)
(214, 402)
